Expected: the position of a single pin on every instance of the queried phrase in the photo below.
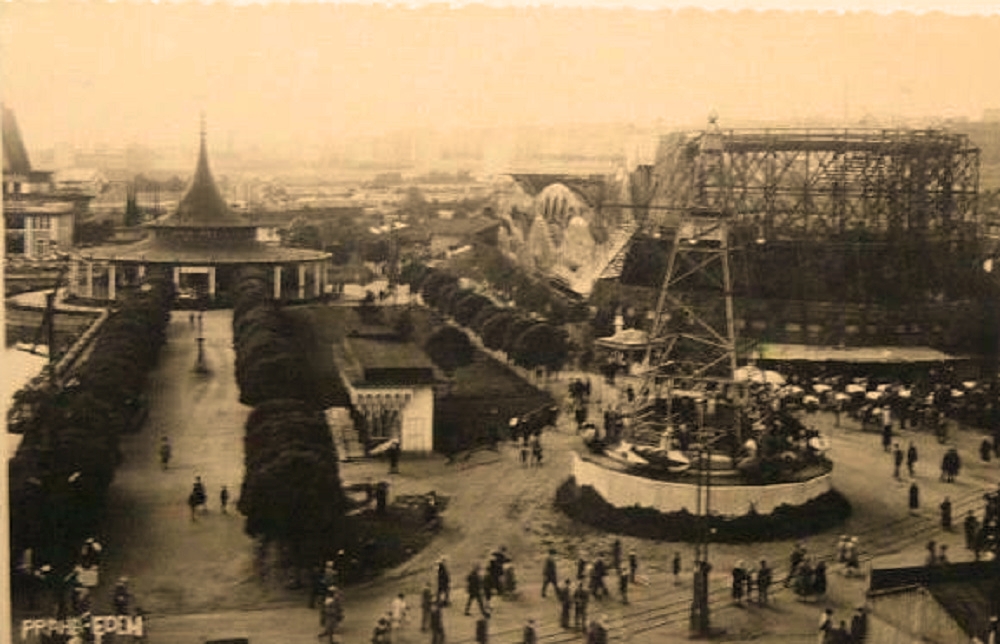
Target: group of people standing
(855, 633)
(747, 580)
(198, 498)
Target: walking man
(897, 459)
(394, 457)
(825, 626)
(580, 599)
(911, 458)
(946, 514)
(886, 424)
(677, 567)
(483, 628)
(437, 624)
(443, 582)
(565, 603)
(474, 586)
(763, 583)
(549, 573)
(914, 498)
(623, 586)
(859, 626)
(164, 452)
(971, 526)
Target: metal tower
(694, 311)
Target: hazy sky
(117, 73)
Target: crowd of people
(73, 594)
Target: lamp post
(700, 612)
(200, 366)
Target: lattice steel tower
(694, 311)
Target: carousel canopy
(628, 339)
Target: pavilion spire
(203, 202)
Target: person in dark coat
(474, 586)
(623, 586)
(985, 450)
(496, 570)
(819, 578)
(633, 566)
(580, 600)
(886, 437)
(971, 526)
(946, 514)
(676, 566)
(911, 458)
(437, 624)
(597, 575)
(565, 596)
(859, 626)
(549, 572)
(581, 568)
(616, 555)
(394, 457)
(737, 587)
(914, 497)
(897, 460)
(763, 582)
(483, 628)
(597, 633)
(443, 582)
(530, 633)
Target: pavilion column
(90, 279)
(142, 272)
(318, 279)
(177, 278)
(302, 281)
(74, 277)
(211, 282)
(277, 282)
(111, 280)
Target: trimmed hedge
(584, 504)
(291, 490)
(61, 472)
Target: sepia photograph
(511, 322)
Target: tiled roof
(368, 361)
(968, 591)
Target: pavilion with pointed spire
(203, 244)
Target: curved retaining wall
(625, 490)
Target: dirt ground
(196, 581)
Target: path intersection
(195, 579)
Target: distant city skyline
(286, 76)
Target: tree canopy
(450, 349)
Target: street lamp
(200, 366)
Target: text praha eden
(99, 625)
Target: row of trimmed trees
(291, 492)
(527, 341)
(60, 474)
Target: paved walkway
(195, 578)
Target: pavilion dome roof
(203, 205)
